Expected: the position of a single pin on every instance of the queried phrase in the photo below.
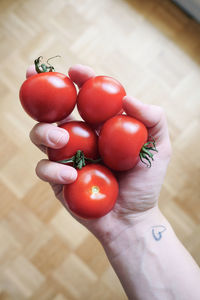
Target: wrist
(127, 236)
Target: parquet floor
(153, 48)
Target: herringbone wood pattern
(154, 50)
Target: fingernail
(68, 175)
(56, 136)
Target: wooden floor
(153, 48)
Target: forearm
(151, 263)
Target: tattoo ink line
(157, 232)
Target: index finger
(80, 74)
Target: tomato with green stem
(47, 96)
(123, 142)
(82, 139)
(94, 192)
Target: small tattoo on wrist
(157, 232)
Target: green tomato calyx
(145, 155)
(79, 160)
(43, 68)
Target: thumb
(152, 116)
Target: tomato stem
(43, 68)
(79, 160)
(145, 155)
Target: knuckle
(167, 150)
(161, 114)
(160, 110)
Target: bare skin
(135, 197)
(135, 221)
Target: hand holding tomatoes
(138, 188)
(133, 192)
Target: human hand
(139, 187)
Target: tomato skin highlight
(99, 99)
(120, 141)
(94, 192)
(48, 97)
(81, 137)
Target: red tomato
(94, 192)
(48, 97)
(99, 99)
(81, 137)
(120, 141)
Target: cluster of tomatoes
(107, 140)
